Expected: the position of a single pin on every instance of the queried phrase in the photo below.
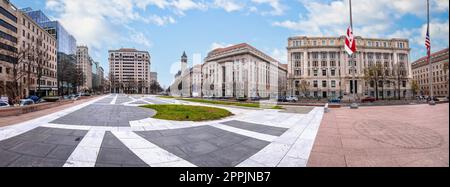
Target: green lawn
(188, 113)
(166, 97)
(243, 104)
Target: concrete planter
(16, 111)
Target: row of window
(299, 43)
(8, 58)
(8, 37)
(8, 48)
(8, 14)
(8, 26)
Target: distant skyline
(166, 28)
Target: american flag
(428, 43)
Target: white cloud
(277, 7)
(229, 5)
(280, 55)
(143, 4)
(217, 45)
(140, 38)
(370, 18)
(181, 6)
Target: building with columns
(320, 67)
(241, 71)
(420, 69)
(129, 71)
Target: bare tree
(41, 62)
(13, 87)
(304, 88)
(400, 76)
(373, 74)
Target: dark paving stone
(198, 148)
(27, 161)
(63, 139)
(234, 155)
(40, 147)
(207, 161)
(105, 115)
(32, 161)
(10, 143)
(254, 143)
(275, 131)
(122, 99)
(33, 148)
(7, 157)
(169, 141)
(206, 146)
(61, 152)
(227, 140)
(114, 152)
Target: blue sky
(166, 28)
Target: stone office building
(420, 69)
(130, 71)
(25, 43)
(320, 67)
(241, 71)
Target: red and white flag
(350, 42)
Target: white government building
(239, 71)
(325, 67)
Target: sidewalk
(389, 136)
(6, 121)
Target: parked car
(434, 99)
(257, 98)
(282, 99)
(292, 99)
(4, 104)
(241, 99)
(368, 100)
(34, 98)
(26, 102)
(334, 100)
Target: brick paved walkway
(405, 136)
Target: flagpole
(430, 67)
(354, 105)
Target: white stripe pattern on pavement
(86, 153)
(251, 134)
(113, 102)
(292, 148)
(150, 153)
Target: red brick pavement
(391, 136)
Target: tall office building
(8, 46)
(85, 64)
(66, 43)
(320, 67)
(130, 71)
(21, 36)
(42, 68)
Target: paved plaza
(113, 131)
(394, 136)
